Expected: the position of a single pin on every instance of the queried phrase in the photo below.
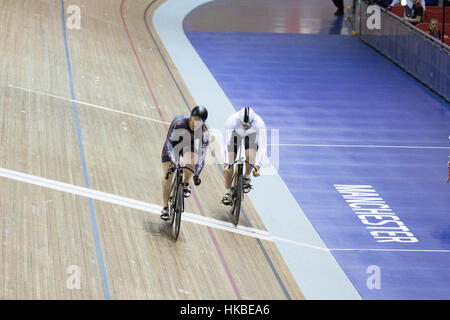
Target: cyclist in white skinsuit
(247, 125)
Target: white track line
(354, 146)
(155, 209)
(139, 205)
(87, 104)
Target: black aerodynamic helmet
(247, 116)
(200, 111)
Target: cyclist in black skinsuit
(187, 137)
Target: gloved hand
(256, 172)
(197, 180)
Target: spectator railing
(418, 53)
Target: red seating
(398, 10)
(446, 28)
(436, 12)
(447, 14)
(423, 26)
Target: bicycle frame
(241, 159)
(179, 175)
(176, 197)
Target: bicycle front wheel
(238, 190)
(179, 208)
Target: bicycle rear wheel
(237, 196)
(178, 210)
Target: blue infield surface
(363, 149)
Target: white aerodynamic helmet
(247, 116)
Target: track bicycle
(176, 198)
(237, 186)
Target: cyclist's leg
(251, 148)
(232, 151)
(228, 173)
(189, 160)
(250, 155)
(166, 184)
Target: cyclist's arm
(201, 159)
(262, 142)
(227, 134)
(176, 124)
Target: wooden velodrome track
(114, 61)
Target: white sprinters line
(155, 209)
(354, 146)
(87, 104)
(135, 204)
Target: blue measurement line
(83, 161)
